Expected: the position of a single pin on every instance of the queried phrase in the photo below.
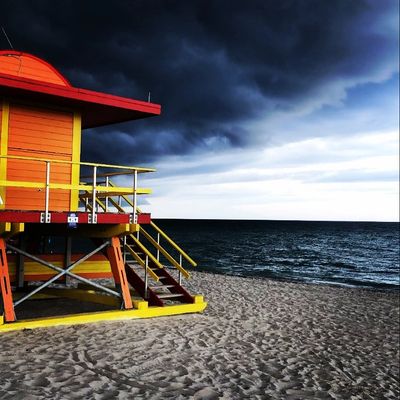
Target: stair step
(168, 295)
(161, 287)
(139, 253)
(135, 266)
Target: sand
(258, 339)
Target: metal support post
(67, 255)
(158, 250)
(47, 194)
(107, 185)
(21, 264)
(146, 265)
(94, 216)
(179, 272)
(135, 179)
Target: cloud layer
(216, 67)
(331, 180)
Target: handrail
(165, 253)
(93, 189)
(89, 164)
(146, 251)
(98, 201)
(102, 189)
(142, 263)
(173, 244)
(117, 206)
(162, 233)
(134, 254)
(155, 244)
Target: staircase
(149, 277)
(142, 253)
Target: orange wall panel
(41, 133)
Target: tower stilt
(5, 286)
(118, 270)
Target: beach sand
(258, 339)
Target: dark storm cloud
(213, 65)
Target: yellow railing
(162, 234)
(155, 242)
(92, 190)
(164, 252)
(128, 169)
(172, 243)
(96, 191)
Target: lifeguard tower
(64, 221)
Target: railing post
(21, 264)
(135, 178)
(179, 272)
(145, 277)
(158, 250)
(94, 217)
(47, 194)
(107, 185)
(67, 256)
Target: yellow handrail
(92, 189)
(90, 164)
(142, 263)
(150, 239)
(173, 244)
(162, 233)
(70, 186)
(146, 251)
(165, 253)
(140, 245)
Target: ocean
(356, 254)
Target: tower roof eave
(98, 109)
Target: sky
(270, 109)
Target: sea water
(341, 253)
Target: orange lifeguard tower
(46, 192)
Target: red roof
(97, 108)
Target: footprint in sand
(206, 394)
